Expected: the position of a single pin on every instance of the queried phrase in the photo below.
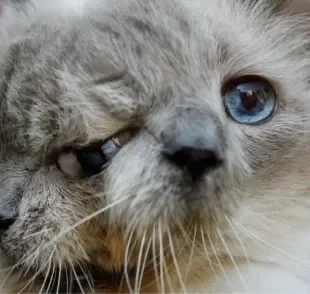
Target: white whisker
(207, 254)
(47, 272)
(84, 220)
(59, 277)
(43, 266)
(161, 259)
(144, 264)
(270, 245)
(155, 265)
(232, 259)
(220, 264)
(51, 278)
(68, 283)
(176, 265)
(126, 263)
(82, 249)
(36, 233)
(165, 273)
(76, 277)
(139, 263)
(240, 241)
(33, 259)
(191, 254)
(88, 277)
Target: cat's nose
(196, 160)
(193, 145)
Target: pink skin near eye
(69, 164)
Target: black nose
(193, 143)
(197, 161)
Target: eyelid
(232, 81)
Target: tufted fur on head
(73, 74)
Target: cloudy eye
(92, 160)
(251, 100)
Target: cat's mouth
(85, 278)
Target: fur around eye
(250, 100)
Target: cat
(155, 146)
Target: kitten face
(154, 75)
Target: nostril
(188, 155)
(196, 161)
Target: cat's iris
(250, 101)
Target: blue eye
(250, 101)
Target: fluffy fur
(75, 72)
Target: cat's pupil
(253, 97)
(249, 99)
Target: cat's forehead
(190, 41)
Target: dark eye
(92, 160)
(251, 100)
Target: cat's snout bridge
(192, 142)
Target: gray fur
(75, 73)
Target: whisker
(68, 281)
(270, 245)
(51, 278)
(232, 259)
(43, 266)
(129, 251)
(165, 267)
(33, 260)
(7, 276)
(191, 254)
(84, 220)
(139, 262)
(47, 273)
(88, 277)
(22, 260)
(126, 263)
(240, 241)
(144, 264)
(76, 277)
(176, 265)
(161, 258)
(59, 277)
(207, 254)
(219, 263)
(36, 233)
(155, 257)
(82, 249)
(71, 279)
